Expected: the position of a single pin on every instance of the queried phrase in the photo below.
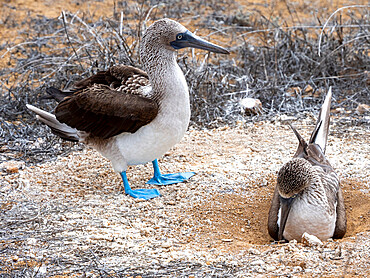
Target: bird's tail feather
(320, 133)
(64, 131)
(57, 94)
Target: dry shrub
(277, 64)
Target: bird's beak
(285, 205)
(188, 39)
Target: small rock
(338, 110)
(269, 268)
(310, 240)
(227, 240)
(251, 106)
(254, 251)
(362, 108)
(294, 91)
(257, 262)
(40, 270)
(285, 118)
(12, 167)
(308, 89)
(166, 244)
(297, 269)
(233, 263)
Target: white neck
(166, 78)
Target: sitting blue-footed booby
(307, 196)
(132, 116)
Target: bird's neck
(165, 75)
(169, 90)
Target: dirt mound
(234, 223)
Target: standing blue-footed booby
(307, 196)
(132, 116)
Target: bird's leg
(160, 179)
(138, 193)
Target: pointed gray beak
(285, 205)
(188, 39)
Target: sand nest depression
(69, 216)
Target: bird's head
(172, 35)
(294, 176)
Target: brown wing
(114, 77)
(272, 225)
(341, 223)
(104, 112)
(129, 79)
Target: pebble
(254, 251)
(40, 270)
(166, 244)
(363, 108)
(269, 268)
(308, 89)
(257, 262)
(12, 167)
(251, 106)
(284, 118)
(310, 240)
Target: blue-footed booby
(307, 196)
(129, 115)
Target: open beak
(188, 39)
(285, 205)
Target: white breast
(157, 137)
(312, 215)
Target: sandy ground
(218, 218)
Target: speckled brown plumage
(107, 103)
(115, 77)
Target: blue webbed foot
(165, 179)
(170, 178)
(142, 193)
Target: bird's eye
(179, 37)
